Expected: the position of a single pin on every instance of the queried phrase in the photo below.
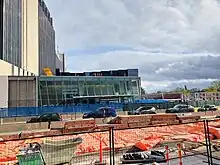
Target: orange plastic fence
(144, 138)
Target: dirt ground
(193, 157)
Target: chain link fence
(184, 143)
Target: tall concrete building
(27, 38)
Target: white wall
(7, 69)
(30, 38)
(59, 61)
(4, 91)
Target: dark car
(143, 110)
(181, 108)
(101, 113)
(47, 117)
(207, 107)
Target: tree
(214, 87)
(210, 89)
(182, 90)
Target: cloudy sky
(172, 42)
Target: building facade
(18, 91)
(12, 32)
(114, 73)
(32, 91)
(165, 96)
(47, 54)
(197, 96)
(60, 62)
(64, 90)
(27, 38)
(194, 96)
(11, 37)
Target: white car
(143, 110)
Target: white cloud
(158, 70)
(166, 26)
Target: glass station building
(65, 90)
(71, 89)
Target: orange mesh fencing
(144, 138)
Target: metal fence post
(206, 141)
(110, 146)
(113, 147)
(209, 141)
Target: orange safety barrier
(167, 154)
(100, 150)
(215, 131)
(145, 145)
(179, 145)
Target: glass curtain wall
(12, 31)
(55, 90)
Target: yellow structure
(48, 72)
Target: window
(55, 117)
(55, 90)
(44, 118)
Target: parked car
(207, 107)
(143, 110)
(101, 113)
(47, 117)
(180, 108)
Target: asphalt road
(79, 115)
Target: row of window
(47, 54)
(55, 92)
(12, 32)
(45, 10)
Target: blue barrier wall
(152, 101)
(35, 111)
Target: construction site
(91, 116)
(140, 139)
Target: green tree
(214, 87)
(210, 89)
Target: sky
(172, 42)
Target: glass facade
(12, 31)
(56, 90)
(47, 53)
